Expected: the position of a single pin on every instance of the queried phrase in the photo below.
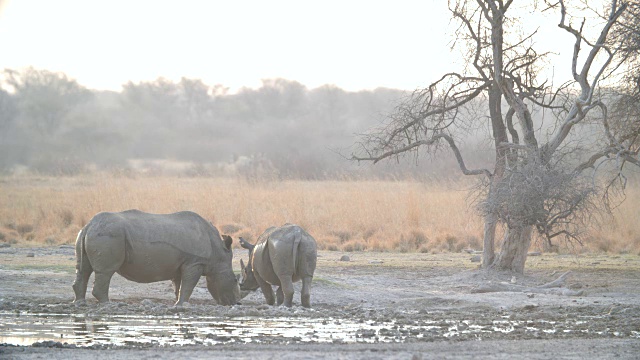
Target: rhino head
(248, 281)
(223, 285)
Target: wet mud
(375, 301)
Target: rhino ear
(245, 244)
(227, 241)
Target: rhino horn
(245, 244)
(242, 265)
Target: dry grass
(342, 215)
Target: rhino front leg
(176, 284)
(279, 296)
(188, 281)
(305, 294)
(101, 286)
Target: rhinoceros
(281, 256)
(146, 248)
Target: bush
(231, 229)
(66, 216)
(24, 228)
(354, 245)
(344, 236)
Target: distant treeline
(51, 124)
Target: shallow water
(132, 330)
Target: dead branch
(559, 282)
(429, 142)
(555, 287)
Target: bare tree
(544, 178)
(625, 112)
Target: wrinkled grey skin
(146, 248)
(281, 256)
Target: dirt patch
(375, 305)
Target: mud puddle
(23, 328)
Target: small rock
(4, 245)
(345, 258)
(535, 253)
(513, 280)
(476, 258)
(376, 262)
(31, 255)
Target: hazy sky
(353, 44)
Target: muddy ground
(376, 305)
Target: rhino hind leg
(83, 269)
(305, 294)
(83, 272)
(101, 286)
(286, 286)
(266, 288)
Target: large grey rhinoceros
(281, 256)
(146, 248)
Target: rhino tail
(127, 247)
(296, 250)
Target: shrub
(66, 216)
(231, 229)
(24, 228)
(344, 236)
(354, 245)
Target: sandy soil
(397, 291)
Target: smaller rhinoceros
(145, 248)
(281, 256)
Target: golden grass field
(399, 216)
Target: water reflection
(118, 330)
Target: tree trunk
(488, 250)
(515, 246)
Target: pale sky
(355, 45)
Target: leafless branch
(429, 142)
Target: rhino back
(185, 231)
